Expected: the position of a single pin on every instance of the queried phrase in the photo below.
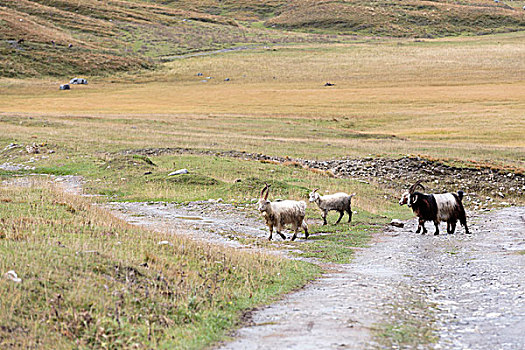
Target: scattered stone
(78, 81)
(218, 200)
(32, 149)
(11, 275)
(11, 146)
(200, 74)
(397, 223)
(65, 87)
(179, 172)
(227, 79)
(165, 243)
(329, 84)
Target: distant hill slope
(73, 37)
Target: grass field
(440, 98)
(455, 99)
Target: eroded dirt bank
(467, 291)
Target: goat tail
(460, 194)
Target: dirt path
(469, 290)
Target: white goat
(279, 213)
(340, 202)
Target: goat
(435, 207)
(279, 213)
(340, 202)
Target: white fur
(446, 204)
(280, 213)
(338, 201)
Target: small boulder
(65, 87)
(397, 223)
(11, 275)
(179, 172)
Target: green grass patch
(337, 243)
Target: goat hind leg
(437, 228)
(349, 211)
(305, 228)
(463, 221)
(341, 213)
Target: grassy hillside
(411, 18)
(65, 37)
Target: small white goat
(340, 202)
(279, 213)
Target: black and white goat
(279, 213)
(435, 207)
(340, 202)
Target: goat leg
(437, 228)
(305, 228)
(282, 236)
(294, 234)
(463, 221)
(341, 213)
(324, 217)
(271, 231)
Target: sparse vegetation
(91, 280)
(64, 37)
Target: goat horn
(414, 186)
(268, 191)
(264, 189)
(316, 190)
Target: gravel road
(468, 291)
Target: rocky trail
(466, 291)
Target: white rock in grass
(179, 172)
(13, 276)
(165, 243)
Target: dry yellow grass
(458, 98)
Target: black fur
(426, 209)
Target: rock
(65, 87)
(179, 172)
(218, 200)
(11, 275)
(78, 81)
(165, 243)
(329, 84)
(227, 79)
(397, 223)
(32, 149)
